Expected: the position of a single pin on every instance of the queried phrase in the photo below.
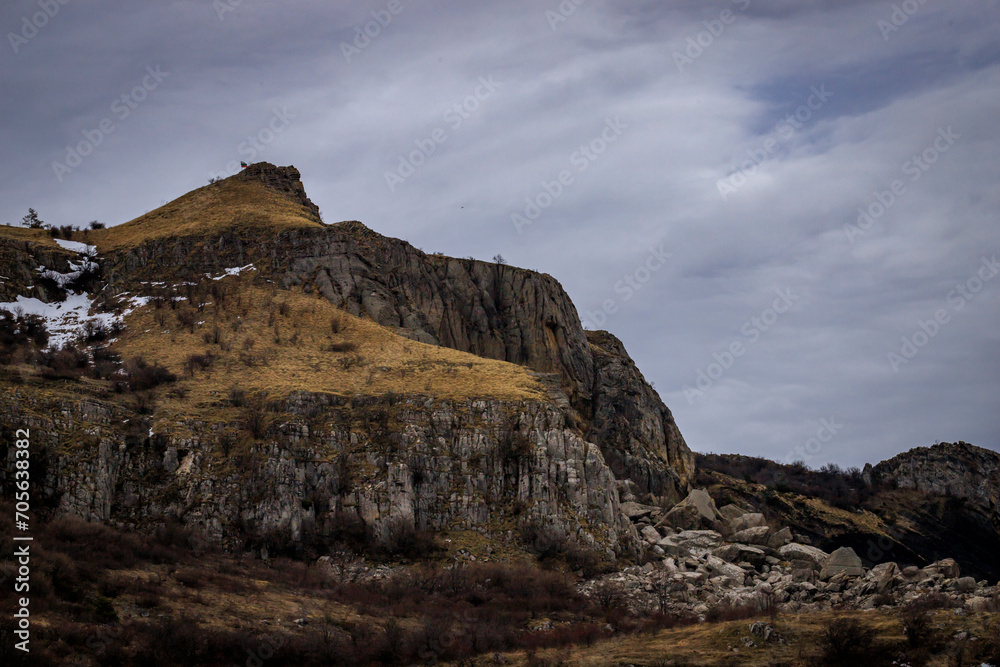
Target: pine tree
(31, 220)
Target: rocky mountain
(409, 436)
(229, 374)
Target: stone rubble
(744, 562)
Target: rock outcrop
(956, 470)
(636, 431)
(21, 257)
(700, 569)
(502, 469)
(488, 309)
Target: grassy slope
(39, 236)
(281, 341)
(208, 211)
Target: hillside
(248, 423)
(896, 513)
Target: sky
(787, 211)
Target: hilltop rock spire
(286, 180)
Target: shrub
(145, 403)
(94, 224)
(346, 346)
(609, 596)
(213, 337)
(202, 361)
(187, 318)
(916, 625)
(67, 363)
(104, 610)
(19, 331)
(847, 641)
(238, 397)
(256, 419)
(140, 376)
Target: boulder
(980, 604)
(730, 512)
(691, 542)
(734, 574)
(693, 513)
(651, 535)
(947, 568)
(635, 511)
(795, 551)
(883, 576)
(803, 570)
(780, 538)
(756, 535)
(752, 520)
(965, 585)
(738, 553)
(842, 561)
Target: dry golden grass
(281, 341)
(714, 643)
(231, 204)
(40, 236)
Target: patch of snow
(76, 246)
(63, 320)
(232, 272)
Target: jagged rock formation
(956, 470)
(637, 432)
(487, 309)
(286, 180)
(498, 468)
(22, 253)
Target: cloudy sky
(694, 173)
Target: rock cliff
(956, 470)
(485, 308)
(391, 465)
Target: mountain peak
(286, 180)
(262, 196)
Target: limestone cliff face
(484, 308)
(957, 470)
(20, 259)
(637, 432)
(487, 466)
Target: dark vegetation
(111, 598)
(98, 612)
(841, 488)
